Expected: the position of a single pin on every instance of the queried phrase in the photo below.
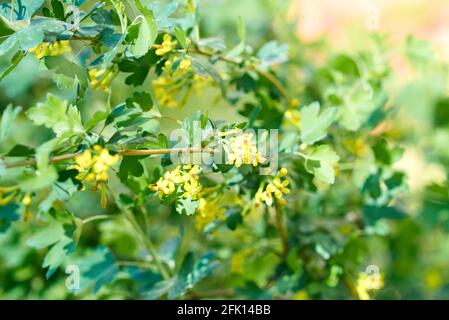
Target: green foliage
(96, 112)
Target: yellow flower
(357, 146)
(199, 82)
(207, 212)
(26, 201)
(277, 187)
(166, 46)
(242, 150)
(293, 117)
(46, 49)
(294, 103)
(185, 65)
(95, 73)
(368, 282)
(84, 160)
(184, 177)
(264, 196)
(94, 167)
(192, 188)
(165, 91)
(283, 172)
(101, 79)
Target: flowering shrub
(232, 171)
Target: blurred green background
(412, 253)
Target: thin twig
(268, 76)
(97, 217)
(138, 152)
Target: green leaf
(7, 124)
(58, 9)
(234, 219)
(320, 162)
(314, 124)
(181, 36)
(186, 206)
(46, 174)
(57, 255)
(386, 155)
(184, 280)
(190, 273)
(144, 40)
(273, 53)
(147, 31)
(16, 59)
(46, 236)
(97, 269)
(130, 165)
(142, 99)
(60, 191)
(138, 68)
(373, 213)
(55, 114)
(7, 216)
(372, 186)
(62, 66)
(23, 9)
(359, 102)
(31, 35)
(203, 267)
(8, 118)
(20, 151)
(96, 119)
(237, 50)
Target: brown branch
(31, 162)
(213, 55)
(268, 76)
(139, 152)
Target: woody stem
(138, 152)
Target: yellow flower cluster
(94, 167)
(101, 79)
(241, 149)
(207, 212)
(368, 282)
(183, 179)
(46, 49)
(199, 82)
(166, 46)
(168, 86)
(277, 187)
(184, 65)
(165, 91)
